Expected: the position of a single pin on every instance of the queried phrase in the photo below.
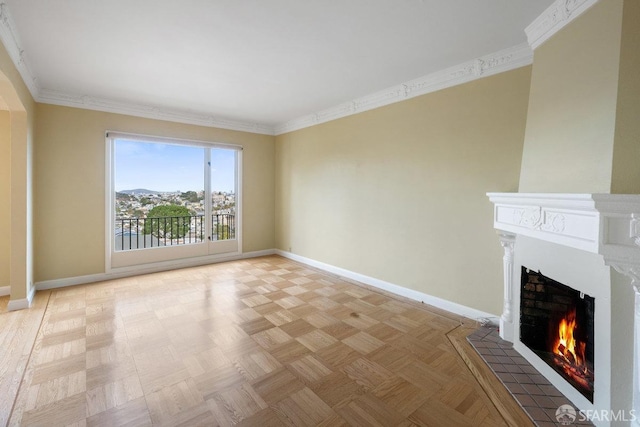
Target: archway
(17, 219)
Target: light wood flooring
(259, 342)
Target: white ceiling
(255, 61)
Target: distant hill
(139, 191)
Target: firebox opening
(557, 323)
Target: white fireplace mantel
(603, 224)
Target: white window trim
(110, 137)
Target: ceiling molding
(48, 96)
(484, 66)
(555, 18)
(498, 62)
(11, 42)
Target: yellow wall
(572, 106)
(626, 173)
(398, 193)
(5, 197)
(70, 185)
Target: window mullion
(207, 194)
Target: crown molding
(48, 96)
(484, 66)
(497, 62)
(11, 42)
(555, 18)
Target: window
(171, 199)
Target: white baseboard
(19, 304)
(5, 290)
(100, 277)
(443, 304)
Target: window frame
(169, 256)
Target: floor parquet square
(254, 326)
(303, 408)
(257, 342)
(113, 394)
(340, 330)
(401, 395)
(316, 340)
(367, 410)
(256, 365)
(289, 352)
(297, 328)
(337, 355)
(337, 389)
(363, 342)
(277, 385)
(271, 338)
(309, 369)
(236, 404)
(367, 373)
(173, 399)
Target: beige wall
(5, 197)
(70, 183)
(572, 106)
(398, 193)
(626, 173)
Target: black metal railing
(141, 233)
(223, 226)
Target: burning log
(570, 357)
(580, 375)
(562, 350)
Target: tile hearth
(537, 396)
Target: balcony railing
(141, 233)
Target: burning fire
(568, 348)
(565, 345)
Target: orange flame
(566, 345)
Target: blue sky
(166, 167)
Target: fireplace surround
(592, 243)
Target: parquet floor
(259, 342)
(18, 331)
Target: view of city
(146, 218)
(148, 214)
(137, 203)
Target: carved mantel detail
(539, 219)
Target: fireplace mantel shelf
(605, 224)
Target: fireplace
(576, 249)
(557, 324)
